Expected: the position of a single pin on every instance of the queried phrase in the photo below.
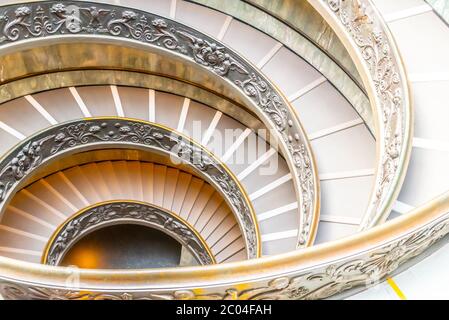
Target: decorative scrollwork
(157, 31)
(270, 103)
(27, 158)
(363, 269)
(371, 40)
(72, 17)
(81, 133)
(330, 277)
(212, 55)
(104, 214)
(85, 133)
(20, 292)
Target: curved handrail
(108, 213)
(32, 21)
(94, 133)
(311, 273)
(316, 272)
(368, 40)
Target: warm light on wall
(84, 257)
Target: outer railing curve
(312, 273)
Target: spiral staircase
(283, 149)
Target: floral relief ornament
(372, 42)
(83, 133)
(363, 269)
(37, 20)
(108, 213)
(20, 164)
(331, 279)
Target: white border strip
(271, 186)
(279, 235)
(12, 131)
(253, 166)
(276, 212)
(407, 13)
(307, 89)
(347, 174)
(117, 101)
(429, 77)
(335, 129)
(80, 102)
(431, 144)
(269, 55)
(210, 131)
(36, 105)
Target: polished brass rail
(73, 137)
(108, 213)
(312, 273)
(174, 46)
(317, 272)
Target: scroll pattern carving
(361, 23)
(90, 133)
(126, 212)
(42, 19)
(332, 277)
(322, 282)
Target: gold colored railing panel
(373, 50)
(181, 52)
(312, 273)
(109, 213)
(44, 148)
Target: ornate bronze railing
(373, 50)
(125, 212)
(317, 272)
(76, 20)
(311, 273)
(97, 133)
